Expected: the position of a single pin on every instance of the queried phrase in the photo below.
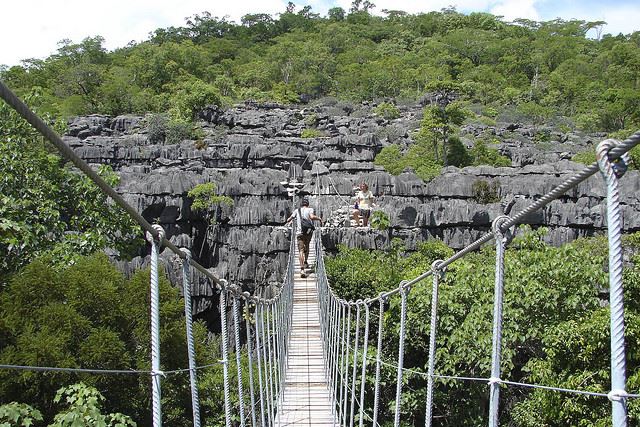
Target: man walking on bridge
(304, 230)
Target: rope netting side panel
(267, 320)
(346, 338)
(345, 329)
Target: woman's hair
(364, 184)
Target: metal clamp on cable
(494, 380)
(158, 374)
(437, 270)
(404, 287)
(616, 166)
(496, 226)
(617, 395)
(150, 237)
(222, 285)
(187, 255)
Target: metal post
(376, 395)
(236, 333)
(225, 357)
(437, 275)
(345, 373)
(186, 286)
(611, 172)
(259, 346)
(354, 376)
(496, 354)
(365, 347)
(403, 317)
(247, 317)
(156, 373)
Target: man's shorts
(303, 243)
(365, 213)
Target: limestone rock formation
(248, 150)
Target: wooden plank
(305, 399)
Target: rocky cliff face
(249, 150)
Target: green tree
(47, 206)
(84, 409)
(440, 121)
(90, 316)
(390, 158)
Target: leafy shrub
(18, 414)
(490, 112)
(379, 220)
(483, 155)
(310, 133)
(177, 131)
(205, 197)
(157, 127)
(387, 111)
(554, 330)
(90, 316)
(284, 93)
(542, 136)
(457, 155)
(589, 156)
(161, 129)
(485, 192)
(419, 157)
(588, 122)
(361, 273)
(585, 157)
(190, 97)
(487, 121)
(390, 158)
(44, 206)
(311, 119)
(84, 409)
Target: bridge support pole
(496, 354)
(156, 373)
(225, 355)
(612, 171)
(438, 273)
(186, 286)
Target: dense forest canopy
(59, 309)
(545, 68)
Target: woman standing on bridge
(304, 230)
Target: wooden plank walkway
(305, 400)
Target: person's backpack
(305, 223)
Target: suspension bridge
(310, 352)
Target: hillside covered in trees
(545, 69)
(61, 304)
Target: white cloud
(32, 28)
(623, 19)
(513, 9)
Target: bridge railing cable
(341, 318)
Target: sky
(33, 28)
